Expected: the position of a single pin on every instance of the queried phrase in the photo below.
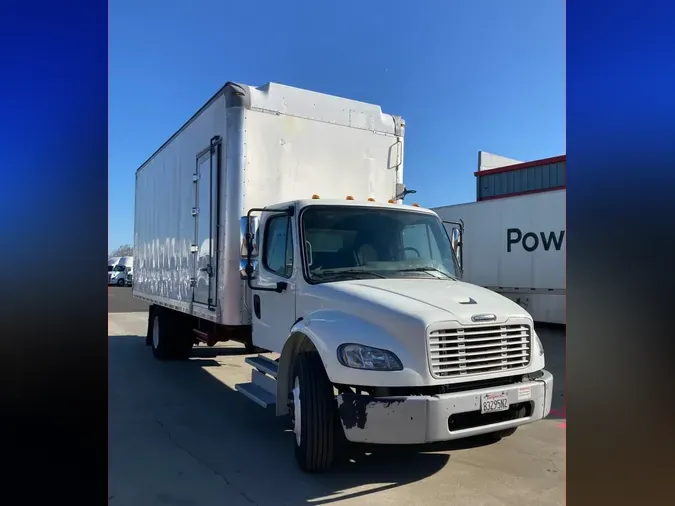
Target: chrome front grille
(479, 350)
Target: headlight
(541, 346)
(358, 356)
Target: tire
(315, 432)
(169, 338)
(160, 339)
(121, 282)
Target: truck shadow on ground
(217, 351)
(187, 406)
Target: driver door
(273, 314)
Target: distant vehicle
(274, 217)
(120, 271)
(112, 262)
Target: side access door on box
(206, 215)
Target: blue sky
(467, 75)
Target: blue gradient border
(620, 209)
(620, 257)
(53, 195)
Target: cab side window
(278, 246)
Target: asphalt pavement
(120, 300)
(179, 434)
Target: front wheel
(313, 414)
(121, 282)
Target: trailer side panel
(516, 247)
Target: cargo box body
(248, 148)
(516, 247)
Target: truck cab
(364, 304)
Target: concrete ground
(180, 435)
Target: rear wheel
(169, 336)
(313, 414)
(159, 335)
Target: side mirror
(248, 230)
(248, 242)
(456, 243)
(455, 238)
(247, 270)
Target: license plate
(493, 403)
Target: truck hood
(431, 300)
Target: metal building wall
(519, 179)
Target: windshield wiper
(426, 269)
(347, 273)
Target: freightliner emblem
(483, 318)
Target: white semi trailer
(515, 246)
(274, 217)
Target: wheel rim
(297, 417)
(155, 332)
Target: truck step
(264, 365)
(264, 381)
(256, 393)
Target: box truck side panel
(175, 214)
(300, 143)
(289, 157)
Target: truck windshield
(359, 243)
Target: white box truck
(515, 246)
(274, 218)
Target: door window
(278, 251)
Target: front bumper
(426, 419)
